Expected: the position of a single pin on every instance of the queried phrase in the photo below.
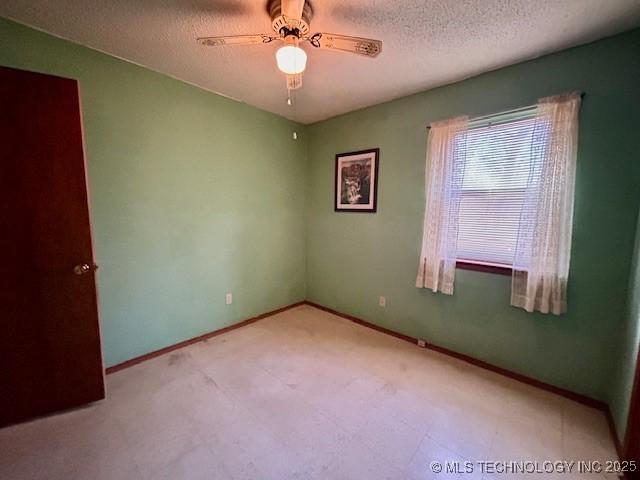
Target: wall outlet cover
(382, 301)
(228, 299)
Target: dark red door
(50, 357)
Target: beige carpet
(307, 395)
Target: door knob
(82, 269)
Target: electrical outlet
(382, 302)
(228, 299)
(422, 343)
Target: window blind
(497, 165)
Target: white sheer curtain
(446, 152)
(543, 249)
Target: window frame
(477, 266)
(482, 122)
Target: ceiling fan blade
(362, 46)
(292, 9)
(236, 40)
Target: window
(496, 171)
(499, 196)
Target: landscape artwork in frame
(357, 181)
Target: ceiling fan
(290, 20)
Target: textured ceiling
(426, 42)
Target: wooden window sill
(484, 267)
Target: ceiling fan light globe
(291, 59)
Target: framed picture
(357, 181)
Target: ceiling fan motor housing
(284, 26)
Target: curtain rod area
(506, 112)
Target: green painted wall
(629, 343)
(192, 195)
(353, 258)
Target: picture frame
(356, 181)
